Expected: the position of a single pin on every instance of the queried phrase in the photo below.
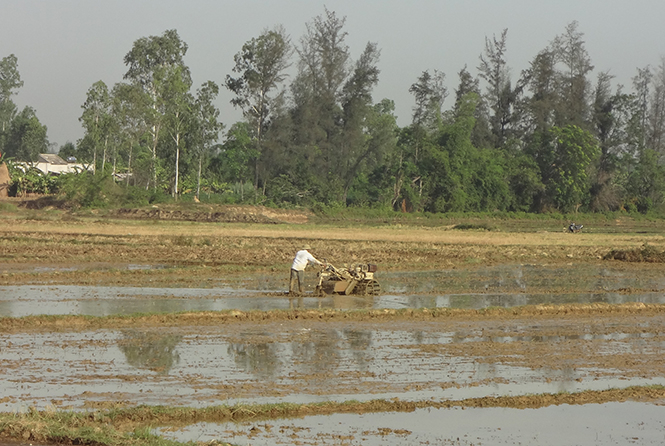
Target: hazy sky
(64, 46)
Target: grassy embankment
(133, 426)
(85, 323)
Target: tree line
(553, 138)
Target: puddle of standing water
(26, 300)
(19, 268)
(564, 425)
(217, 365)
(501, 286)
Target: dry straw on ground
(4, 180)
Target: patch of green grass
(473, 227)
(182, 240)
(134, 426)
(74, 428)
(8, 207)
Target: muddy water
(502, 286)
(21, 301)
(307, 362)
(26, 300)
(565, 425)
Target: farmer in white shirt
(302, 259)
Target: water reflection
(360, 344)
(261, 360)
(243, 300)
(210, 365)
(564, 425)
(317, 352)
(486, 300)
(151, 351)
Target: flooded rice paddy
(504, 286)
(565, 425)
(308, 361)
(27, 300)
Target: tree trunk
(94, 153)
(129, 161)
(106, 142)
(115, 158)
(198, 177)
(177, 166)
(256, 180)
(155, 131)
(259, 136)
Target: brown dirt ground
(95, 250)
(63, 241)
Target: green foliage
(101, 191)
(10, 80)
(524, 181)
(539, 144)
(576, 150)
(645, 186)
(87, 190)
(238, 153)
(8, 208)
(26, 137)
(461, 177)
(67, 150)
(27, 180)
(283, 189)
(473, 226)
(565, 156)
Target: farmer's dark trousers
(295, 284)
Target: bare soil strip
(536, 312)
(29, 240)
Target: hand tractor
(357, 279)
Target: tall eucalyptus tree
(178, 106)
(207, 126)
(151, 63)
(96, 120)
(261, 66)
(324, 65)
(10, 81)
(130, 105)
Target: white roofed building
(50, 163)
